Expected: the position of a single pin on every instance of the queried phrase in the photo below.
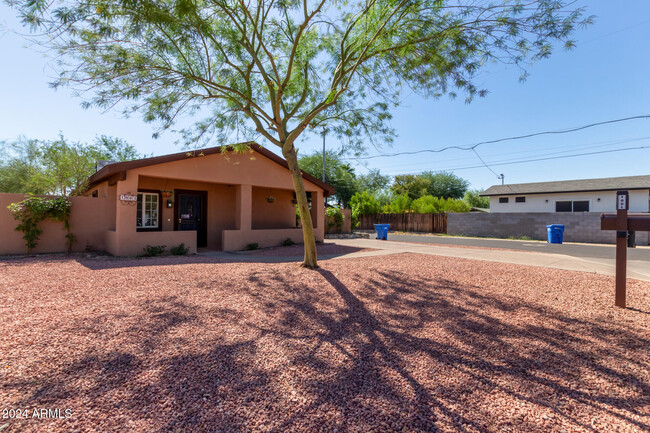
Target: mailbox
(624, 223)
(636, 222)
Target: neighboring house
(583, 195)
(203, 198)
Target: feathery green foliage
(275, 69)
(337, 173)
(445, 185)
(473, 199)
(58, 167)
(431, 204)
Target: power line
(533, 160)
(499, 176)
(614, 32)
(551, 157)
(486, 166)
(567, 149)
(499, 140)
(539, 155)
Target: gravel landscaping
(297, 250)
(406, 342)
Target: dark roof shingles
(580, 185)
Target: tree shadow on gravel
(336, 350)
(271, 255)
(566, 370)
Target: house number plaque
(128, 198)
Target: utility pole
(324, 133)
(501, 176)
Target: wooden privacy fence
(407, 222)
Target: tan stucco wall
(238, 213)
(235, 240)
(134, 245)
(281, 214)
(230, 169)
(347, 223)
(90, 217)
(237, 186)
(220, 205)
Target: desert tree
(275, 70)
(59, 166)
(338, 173)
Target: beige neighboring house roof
(565, 186)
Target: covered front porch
(152, 210)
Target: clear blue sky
(606, 77)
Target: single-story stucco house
(212, 198)
(583, 195)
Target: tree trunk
(303, 206)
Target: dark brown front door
(191, 214)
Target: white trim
(142, 210)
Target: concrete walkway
(637, 269)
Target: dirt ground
(408, 343)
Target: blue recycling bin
(382, 231)
(555, 233)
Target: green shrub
(179, 250)
(253, 246)
(335, 218)
(428, 204)
(287, 242)
(363, 203)
(154, 250)
(473, 199)
(401, 204)
(456, 205)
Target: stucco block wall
(347, 223)
(134, 245)
(90, 217)
(578, 227)
(236, 240)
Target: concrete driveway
(598, 259)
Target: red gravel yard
(298, 250)
(407, 342)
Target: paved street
(594, 258)
(575, 257)
(600, 251)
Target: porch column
(318, 214)
(244, 207)
(125, 212)
(125, 217)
